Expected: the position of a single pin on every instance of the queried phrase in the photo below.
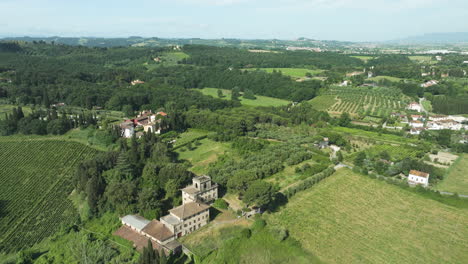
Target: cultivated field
(456, 179)
(35, 181)
(260, 101)
(376, 102)
(323, 102)
(363, 58)
(349, 218)
(422, 59)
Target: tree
(149, 255)
(359, 160)
(259, 193)
(235, 94)
(344, 120)
(220, 93)
(248, 94)
(339, 156)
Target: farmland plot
(349, 218)
(35, 181)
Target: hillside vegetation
(260, 101)
(349, 218)
(36, 181)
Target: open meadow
(260, 101)
(456, 179)
(36, 182)
(292, 72)
(350, 218)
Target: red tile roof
(419, 173)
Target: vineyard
(36, 181)
(377, 102)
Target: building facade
(418, 178)
(201, 190)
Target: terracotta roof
(161, 113)
(157, 230)
(419, 173)
(189, 209)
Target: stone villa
(182, 220)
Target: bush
(220, 204)
(246, 233)
(258, 224)
(280, 233)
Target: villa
(417, 177)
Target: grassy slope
(363, 58)
(36, 181)
(260, 101)
(457, 178)
(222, 242)
(390, 78)
(7, 109)
(350, 218)
(201, 156)
(323, 102)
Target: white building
(429, 83)
(414, 106)
(416, 124)
(127, 129)
(416, 130)
(417, 177)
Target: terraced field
(349, 218)
(35, 178)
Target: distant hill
(161, 42)
(435, 38)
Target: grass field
(427, 105)
(222, 241)
(363, 58)
(323, 102)
(36, 181)
(189, 136)
(349, 218)
(260, 101)
(456, 179)
(422, 59)
(293, 72)
(390, 78)
(7, 108)
(204, 154)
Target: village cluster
(182, 220)
(419, 123)
(146, 121)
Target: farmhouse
(416, 130)
(127, 129)
(417, 177)
(438, 117)
(416, 117)
(151, 123)
(182, 220)
(416, 123)
(414, 106)
(135, 82)
(429, 83)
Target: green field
(189, 136)
(422, 59)
(323, 102)
(200, 156)
(456, 179)
(222, 241)
(390, 78)
(349, 218)
(427, 105)
(260, 101)
(293, 72)
(7, 108)
(363, 58)
(36, 181)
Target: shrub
(280, 233)
(220, 204)
(246, 233)
(258, 224)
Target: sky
(345, 20)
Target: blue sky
(355, 20)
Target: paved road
(449, 193)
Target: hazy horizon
(342, 20)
